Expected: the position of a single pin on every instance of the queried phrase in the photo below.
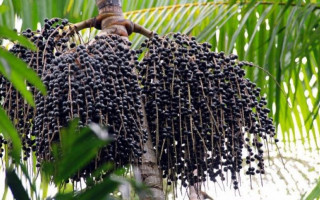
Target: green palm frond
(34, 11)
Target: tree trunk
(149, 170)
(195, 191)
(113, 22)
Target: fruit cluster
(202, 111)
(94, 83)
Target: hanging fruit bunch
(190, 108)
(202, 111)
(93, 83)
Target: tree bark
(111, 12)
(113, 22)
(194, 191)
(149, 169)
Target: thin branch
(85, 24)
(142, 30)
(93, 22)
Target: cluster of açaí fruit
(201, 110)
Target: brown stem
(111, 21)
(114, 22)
(140, 29)
(96, 23)
(84, 24)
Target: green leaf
(245, 18)
(5, 193)
(17, 80)
(17, 5)
(3, 9)
(99, 191)
(62, 196)
(15, 185)
(315, 193)
(22, 69)
(10, 133)
(13, 36)
(77, 148)
(13, 68)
